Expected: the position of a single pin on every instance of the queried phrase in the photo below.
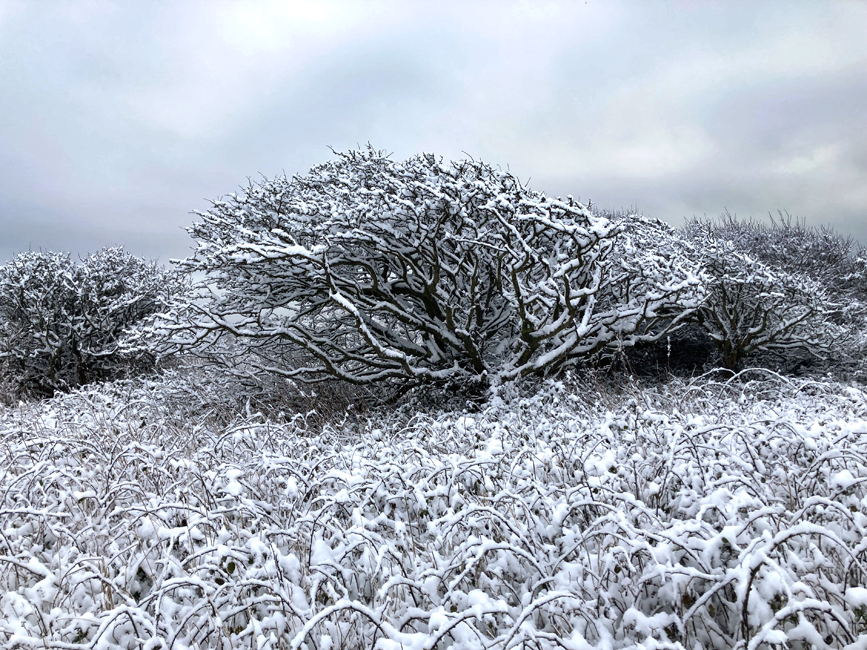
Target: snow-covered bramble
(368, 269)
(753, 307)
(61, 322)
(692, 517)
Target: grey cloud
(120, 119)
(779, 116)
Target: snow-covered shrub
(836, 262)
(753, 307)
(366, 269)
(820, 253)
(61, 322)
(695, 517)
(36, 301)
(646, 253)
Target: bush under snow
(694, 516)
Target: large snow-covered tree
(368, 269)
(61, 322)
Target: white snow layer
(701, 516)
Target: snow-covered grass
(693, 515)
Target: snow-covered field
(692, 515)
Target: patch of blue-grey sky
(120, 118)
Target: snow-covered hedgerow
(691, 516)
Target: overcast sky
(119, 118)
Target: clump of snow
(693, 516)
(843, 479)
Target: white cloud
(818, 159)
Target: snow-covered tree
(368, 269)
(837, 262)
(61, 322)
(36, 304)
(685, 348)
(754, 307)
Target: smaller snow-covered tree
(753, 307)
(790, 245)
(61, 323)
(367, 269)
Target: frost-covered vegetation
(418, 405)
(691, 515)
(782, 288)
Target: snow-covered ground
(692, 515)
